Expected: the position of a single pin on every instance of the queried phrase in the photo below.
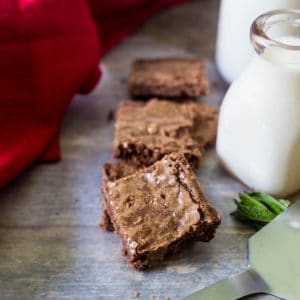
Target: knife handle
(246, 283)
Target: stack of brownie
(151, 197)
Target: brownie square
(146, 131)
(159, 209)
(168, 78)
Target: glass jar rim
(259, 30)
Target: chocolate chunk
(168, 78)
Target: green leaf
(239, 216)
(285, 203)
(273, 204)
(258, 209)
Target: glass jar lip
(258, 33)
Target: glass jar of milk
(259, 128)
(234, 50)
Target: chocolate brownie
(146, 131)
(168, 78)
(159, 209)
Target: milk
(259, 129)
(234, 49)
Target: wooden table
(51, 246)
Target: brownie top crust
(144, 132)
(112, 171)
(168, 77)
(159, 206)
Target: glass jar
(259, 128)
(234, 50)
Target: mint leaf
(258, 208)
(273, 204)
(285, 203)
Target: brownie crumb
(135, 294)
(110, 116)
(123, 80)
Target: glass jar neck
(276, 36)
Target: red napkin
(49, 51)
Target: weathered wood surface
(50, 244)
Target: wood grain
(50, 244)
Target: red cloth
(49, 51)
